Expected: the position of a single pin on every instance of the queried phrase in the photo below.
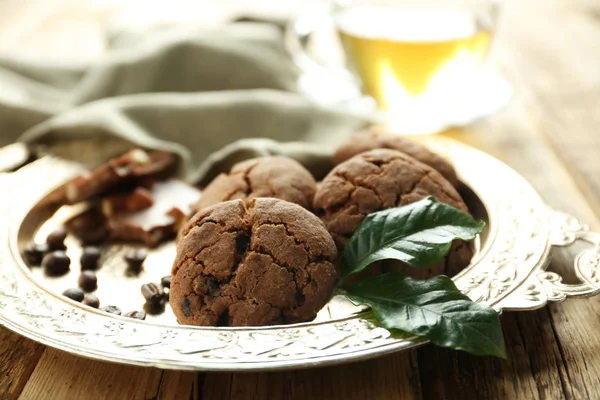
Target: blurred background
(76, 30)
(548, 50)
(543, 38)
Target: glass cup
(422, 61)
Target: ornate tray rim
(508, 274)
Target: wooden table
(550, 133)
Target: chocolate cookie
(380, 179)
(261, 262)
(278, 177)
(376, 138)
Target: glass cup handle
(297, 37)
(321, 82)
(298, 34)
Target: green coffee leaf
(434, 309)
(418, 234)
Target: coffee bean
(111, 310)
(135, 259)
(91, 300)
(154, 308)
(136, 255)
(166, 281)
(152, 292)
(136, 315)
(132, 272)
(74, 294)
(56, 240)
(56, 263)
(34, 252)
(88, 281)
(89, 258)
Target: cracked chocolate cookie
(380, 179)
(261, 262)
(377, 138)
(278, 177)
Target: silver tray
(508, 272)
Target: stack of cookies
(263, 246)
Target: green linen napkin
(214, 96)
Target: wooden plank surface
(18, 358)
(550, 50)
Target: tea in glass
(416, 59)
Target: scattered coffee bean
(89, 258)
(88, 281)
(56, 263)
(135, 259)
(74, 294)
(91, 300)
(152, 292)
(136, 256)
(153, 308)
(166, 281)
(136, 315)
(132, 272)
(34, 252)
(56, 240)
(111, 310)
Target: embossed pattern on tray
(507, 273)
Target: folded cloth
(214, 96)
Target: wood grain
(63, 376)
(176, 385)
(363, 380)
(18, 358)
(558, 71)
